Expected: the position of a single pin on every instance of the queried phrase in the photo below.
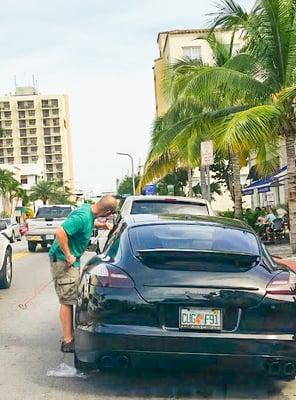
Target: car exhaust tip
(122, 362)
(107, 362)
(289, 369)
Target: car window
(193, 237)
(53, 212)
(169, 207)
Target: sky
(100, 53)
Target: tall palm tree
(269, 31)
(193, 115)
(43, 190)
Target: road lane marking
(18, 256)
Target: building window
(34, 159)
(54, 103)
(1, 160)
(7, 114)
(56, 121)
(24, 150)
(192, 52)
(60, 176)
(22, 124)
(21, 114)
(34, 149)
(32, 121)
(23, 132)
(49, 168)
(10, 160)
(31, 113)
(46, 122)
(57, 139)
(46, 131)
(55, 111)
(58, 149)
(8, 133)
(47, 149)
(9, 152)
(56, 130)
(33, 131)
(47, 140)
(4, 105)
(44, 103)
(25, 160)
(45, 113)
(7, 123)
(24, 179)
(29, 104)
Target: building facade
(190, 43)
(36, 128)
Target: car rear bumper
(144, 345)
(40, 237)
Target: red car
(24, 228)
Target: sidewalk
(281, 250)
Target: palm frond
(247, 129)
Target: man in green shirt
(72, 239)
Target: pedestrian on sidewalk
(72, 239)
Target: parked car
(160, 205)
(179, 290)
(5, 261)
(41, 228)
(12, 228)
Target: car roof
(157, 198)
(151, 219)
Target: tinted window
(193, 237)
(169, 207)
(53, 212)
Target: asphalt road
(29, 347)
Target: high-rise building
(37, 127)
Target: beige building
(36, 127)
(189, 43)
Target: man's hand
(70, 259)
(104, 225)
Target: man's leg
(66, 317)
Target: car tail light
(106, 275)
(282, 284)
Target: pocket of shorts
(65, 281)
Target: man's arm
(103, 225)
(62, 239)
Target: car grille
(169, 317)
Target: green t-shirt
(78, 226)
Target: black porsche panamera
(170, 291)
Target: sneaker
(67, 347)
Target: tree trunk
(237, 188)
(291, 176)
(203, 182)
(189, 172)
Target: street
(29, 347)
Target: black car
(184, 290)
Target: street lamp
(133, 171)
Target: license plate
(50, 237)
(200, 318)
(34, 238)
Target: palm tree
(193, 116)
(43, 190)
(269, 31)
(10, 189)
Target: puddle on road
(66, 371)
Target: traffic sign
(207, 153)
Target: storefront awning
(263, 185)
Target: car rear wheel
(6, 273)
(32, 247)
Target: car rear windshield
(160, 207)
(53, 212)
(193, 237)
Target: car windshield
(161, 207)
(193, 237)
(53, 212)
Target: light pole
(133, 171)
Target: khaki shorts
(66, 281)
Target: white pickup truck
(41, 228)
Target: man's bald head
(105, 206)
